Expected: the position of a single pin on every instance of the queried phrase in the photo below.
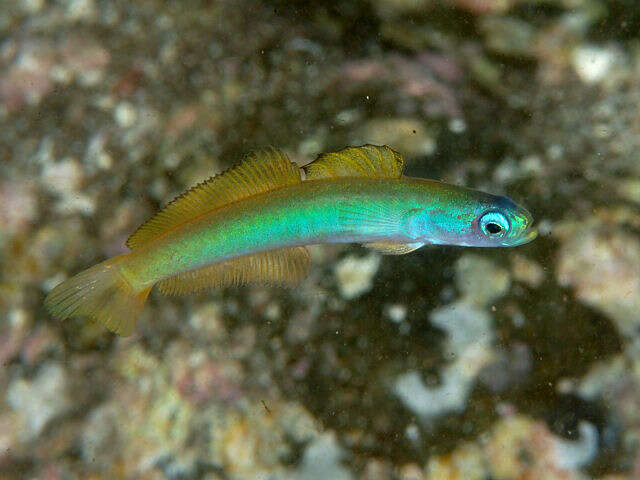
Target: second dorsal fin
(370, 161)
(260, 172)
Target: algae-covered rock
(41, 400)
(480, 280)
(410, 136)
(443, 363)
(508, 36)
(602, 264)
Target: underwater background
(447, 363)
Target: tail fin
(100, 293)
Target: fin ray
(260, 172)
(368, 161)
(393, 248)
(282, 266)
(355, 216)
(100, 293)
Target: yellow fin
(260, 172)
(282, 266)
(370, 161)
(102, 294)
(392, 248)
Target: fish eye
(494, 224)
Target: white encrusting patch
(592, 63)
(396, 312)
(469, 343)
(355, 275)
(571, 455)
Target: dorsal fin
(282, 266)
(371, 161)
(259, 172)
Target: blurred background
(447, 363)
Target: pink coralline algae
(35, 67)
(426, 77)
(602, 265)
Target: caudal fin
(100, 293)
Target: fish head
(500, 222)
(473, 219)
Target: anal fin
(282, 266)
(393, 248)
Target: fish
(253, 222)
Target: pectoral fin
(392, 248)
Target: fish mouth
(528, 237)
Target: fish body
(405, 210)
(251, 225)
